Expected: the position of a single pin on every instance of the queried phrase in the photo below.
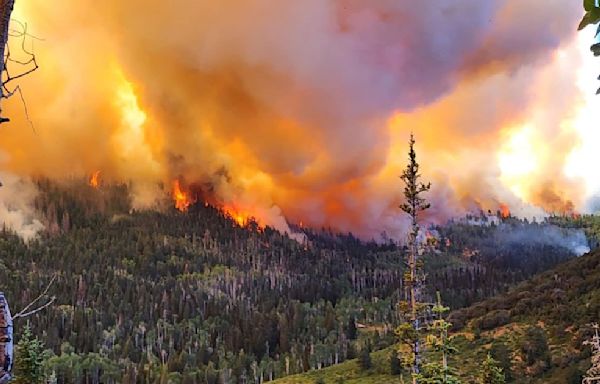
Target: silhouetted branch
(27, 312)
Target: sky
(301, 111)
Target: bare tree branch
(27, 312)
(20, 314)
(31, 63)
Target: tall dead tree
(414, 278)
(6, 8)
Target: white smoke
(17, 212)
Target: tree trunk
(6, 8)
(6, 341)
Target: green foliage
(29, 360)
(194, 290)
(591, 17)
(438, 338)
(491, 373)
(592, 14)
(435, 373)
(542, 343)
(500, 352)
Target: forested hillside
(194, 297)
(537, 332)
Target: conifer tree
(439, 340)
(364, 359)
(395, 364)
(414, 204)
(491, 373)
(439, 372)
(29, 360)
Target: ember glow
(301, 111)
(504, 211)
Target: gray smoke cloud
(543, 234)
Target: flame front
(94, 181)
(181, 198)
(240, 216)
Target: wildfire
(181, 198)
(504, 211)
(240, 216)
(95, 180)
(240, 219)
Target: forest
(193, 297)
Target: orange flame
(181, 198)
(95, 180)
(240, 216)
(504, 211)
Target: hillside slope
(536, 329)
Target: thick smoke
(16, 212)
(302, 109)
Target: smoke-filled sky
(302, 109)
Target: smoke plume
(302, 109)
(16, 210)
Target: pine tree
(503, 355)
(439, 372)
(439, 340)
(491, 373)
(414, 277)
(395, 364)
(364, 359)
(29, 360)
(434, 373)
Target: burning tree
(412, 308)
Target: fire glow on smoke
(301, 111)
